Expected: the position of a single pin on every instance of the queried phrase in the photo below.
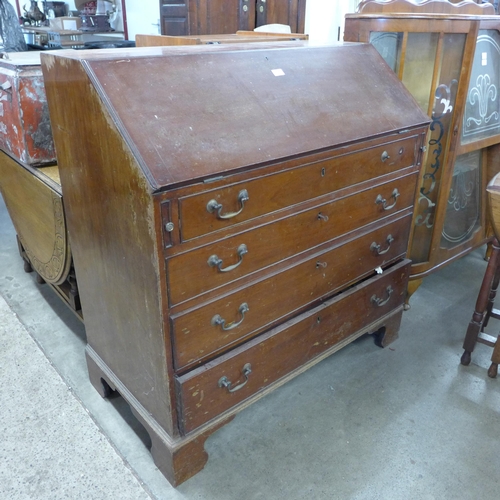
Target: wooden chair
(484, 309)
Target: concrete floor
(405, 422)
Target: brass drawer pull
(377, 248)
(384, 156)
(382, 201)
(217, 320)
(224, 382)
(214, 261)
(213, 206)
(382, 302)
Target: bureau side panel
(112, 225)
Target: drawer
(275, 192)
(202, 394)
(191, 274)
(198, 334)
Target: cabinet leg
(177, 457)
(180, 458)
(96, 377)
(388, 332)
(413, 285)
(481, 307)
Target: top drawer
(219, 208)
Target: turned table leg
(476, 322)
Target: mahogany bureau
(235, 217)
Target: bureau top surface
(191, 113)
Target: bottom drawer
(221, 384)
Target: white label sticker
(484, 59)
(278, 72)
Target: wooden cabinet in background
(448, 56)
(206, 17)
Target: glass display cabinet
(448, 56)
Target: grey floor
(405, 422)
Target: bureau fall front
(236, 215)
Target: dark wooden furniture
(233, 221)
(207, 17)
(484, 309)
(29, 177)
(24, 118)
(238, 37)
(448, 57)
(33, 198)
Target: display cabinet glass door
(482, 108)
(429, 64)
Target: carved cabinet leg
(476, 322)
(413, 285)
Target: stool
(484, 309)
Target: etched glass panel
(482, 108)
(419, 66)
(388, 45)
(463, 213)
(444, 96)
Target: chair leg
(495, 360)
(491, 298)
(476, 322)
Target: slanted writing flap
(195, 115)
